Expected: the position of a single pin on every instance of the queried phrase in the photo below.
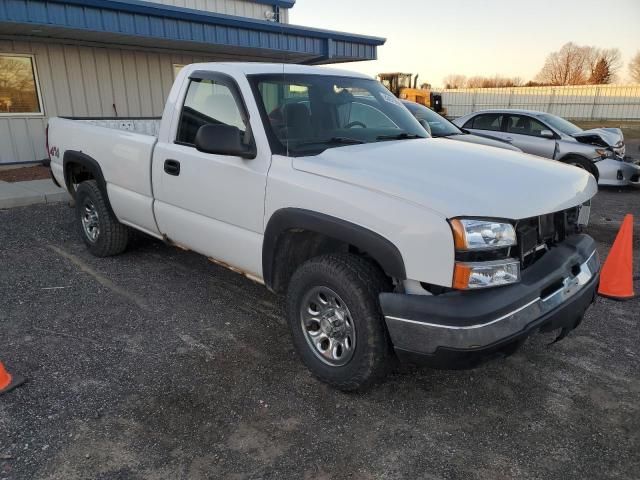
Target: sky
(476, 37)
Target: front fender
(383, 251)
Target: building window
(19, 90)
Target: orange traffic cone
(7, 381)
(616, 278)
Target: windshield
(561, 124)
(306, 114)
(440, 126)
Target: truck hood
(604, 137)
(456, 179)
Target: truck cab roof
(255, 68)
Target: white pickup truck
(322, 186)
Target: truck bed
(142, 125)
(123, 147)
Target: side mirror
(425, 125)
(547, 134)
(222, 139)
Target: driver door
(213, 204)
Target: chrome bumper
(425, 338)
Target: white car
(600, 151)
(385, 242)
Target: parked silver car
(600, 151)
(440, 127)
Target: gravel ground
(160, 365)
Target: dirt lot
(158, 364)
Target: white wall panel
(90, 81)
(241, 8)
(18, 129)
(60, 79)
(7, 151)
(71, 59)
(86, 81)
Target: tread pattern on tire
(368, 281)
(114, 236)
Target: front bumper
(461, 329)
(619, 173)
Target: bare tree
(634, 68)
(604, 65)
(568, 66)
(579, 65)
(455, 81)
(493, 82)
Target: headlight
(605, 153)
(468, 276)
(482, 234)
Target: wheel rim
(90, 221)
(328, 326)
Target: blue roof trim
(181, 13)
(278, 3)
(129, 20)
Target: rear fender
(71, 158)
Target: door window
(524, 125)
(206, 103)
(486, 121)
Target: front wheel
(336, 322)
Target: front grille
(537, 235)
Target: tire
(98, 227)
(584, 164)
(365, 353)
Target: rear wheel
(101, 232)
(584, 164)
(336, 322)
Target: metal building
(118, 58)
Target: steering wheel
(355, 124)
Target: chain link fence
(584, 102)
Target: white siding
(87, 81)
(241, 8)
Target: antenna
(285, 60)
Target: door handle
(509, 139)
(172, 167)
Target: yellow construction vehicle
(405, 87)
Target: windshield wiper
(400, 136)
(331, 141)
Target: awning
(144, 24)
